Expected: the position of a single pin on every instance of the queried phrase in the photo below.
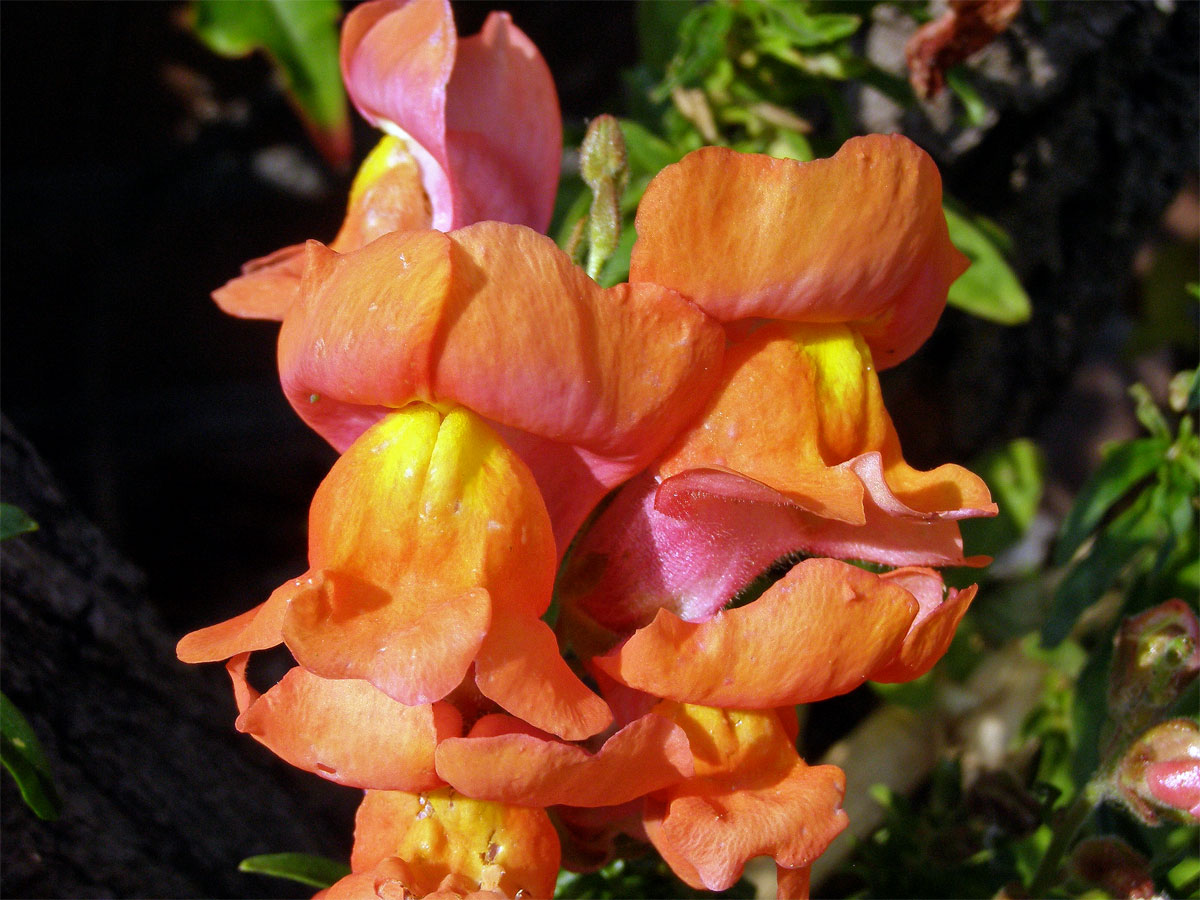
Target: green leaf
(657, 23)
(22, 754)
(648, 153)
(14, 521)
(306, 868)
(1124, 465)
(974, 106)
(1137, 529)
(302, 40)
(1015, 475)
(702, 34)
(805, 30)
(988, 289)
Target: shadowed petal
(516, 767)
(520, 668)
(818, 632)
(799, 409)
(346, 730)
(859, 237)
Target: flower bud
(1115, 867)
(1157, 655)
(1160, 774)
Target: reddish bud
(1157, 655)
(1113, 866)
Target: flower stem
(1068, 825)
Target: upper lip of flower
(480, 113)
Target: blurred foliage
(768, 76)
(306, 868)
(641, 876)
(302, 42)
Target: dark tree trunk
(162, 797)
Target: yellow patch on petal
(443, 833)
(799, 409)
(751, 795)
(386, 196)
(421, 528)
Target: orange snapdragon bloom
(473, 133)
(794, 454)
(495, 317)
(430, 554)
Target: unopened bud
(1160, 774)
(1157, 656)
(605, 169)
(1114, 866)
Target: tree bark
(162, 798)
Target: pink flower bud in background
(1160, 774)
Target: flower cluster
(487, 396)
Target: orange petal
(349, 732)
(932, 631)
(267, 287)
(443, 833)
(644, 756)
(800, 409)
(400, 643)
(386, 196)
(497, 318)
(818, 632)
(792, 884)
(256, 629)
(751, 796)
(426, 520)
(519, 667)
(859, 238)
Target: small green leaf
(988, 289)
(306, 868)
(21, 753)
(974, 107)
(648, 153)
(1124, 465)
(1134, 532)
(14, 521)
(805, 30)
(302, 40)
